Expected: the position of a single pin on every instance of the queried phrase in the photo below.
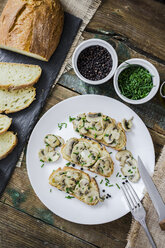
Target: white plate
(138, 141)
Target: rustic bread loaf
(8, 141)
(18, 75)
(76, 183)
(5, 123)
(31, 27)
(16, 100)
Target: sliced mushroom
(62, 142)
(48, 154)
(134, 178)
(94, 117)
(42, 155)
(122, 156)
(81, 127)
(84, 154)
(69, 146)
(111, 134)
(97, 131)
(127, 124)
(51, 140)
(103, 165)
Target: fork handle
(143, 223)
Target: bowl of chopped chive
(136, 81)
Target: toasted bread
(83, 125)
(77, 183)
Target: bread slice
(15, 100)
(18, 76)
(89, 155)
(5, 123)
(8, 141)
(76, 183)
(102, 122)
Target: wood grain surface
(135, 29)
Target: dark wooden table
(135, 29)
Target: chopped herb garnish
(107, 180)
(60, 125)
(69, 197)
(42, 160)
(69, 163)
(76, 153)
(135, 82)
(42, 165)
(49, 159)
(89, 155)
(50, 190)
(95, 176)
(106, 135)
(133, 167)
(71, 118)
(91, 200)
(95, 136)
(77, 130)
(111, 185)
(110, 152)
(118, 186)
(101, 181)
(117, 174)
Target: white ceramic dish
(95, 42)
(138, 141)
(153, 71)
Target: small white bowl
(147, 65)
(95, 42)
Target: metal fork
(136, 208)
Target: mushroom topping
(103, 165)
(62, 142)
(129, 165)
(122, 156)
(48, 154)
(111, 134)
(94, 117)
(81, 127)
(127, 124)
(69, 146)
(96, 130)
(52, 140)
(84, 154)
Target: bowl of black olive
(95, 61)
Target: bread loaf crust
(33, 27)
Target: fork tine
(129, 204)
(131, 194)
(127, 191)
(134, 193)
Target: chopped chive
(95, 136)
(110, 152)
(101, 181)
(42, 160)
(117, 174)
(71, 118)
(42, 165)
(111, 185)
(50, 190)
(49, 159)
(69, 163)
(77, 130)
(106, 135)
(91, 200)
(69, 197)
(118, 186)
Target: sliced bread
(76, 183)
(8, 141)
(18, 75)
(5, 123)
(16, 100)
